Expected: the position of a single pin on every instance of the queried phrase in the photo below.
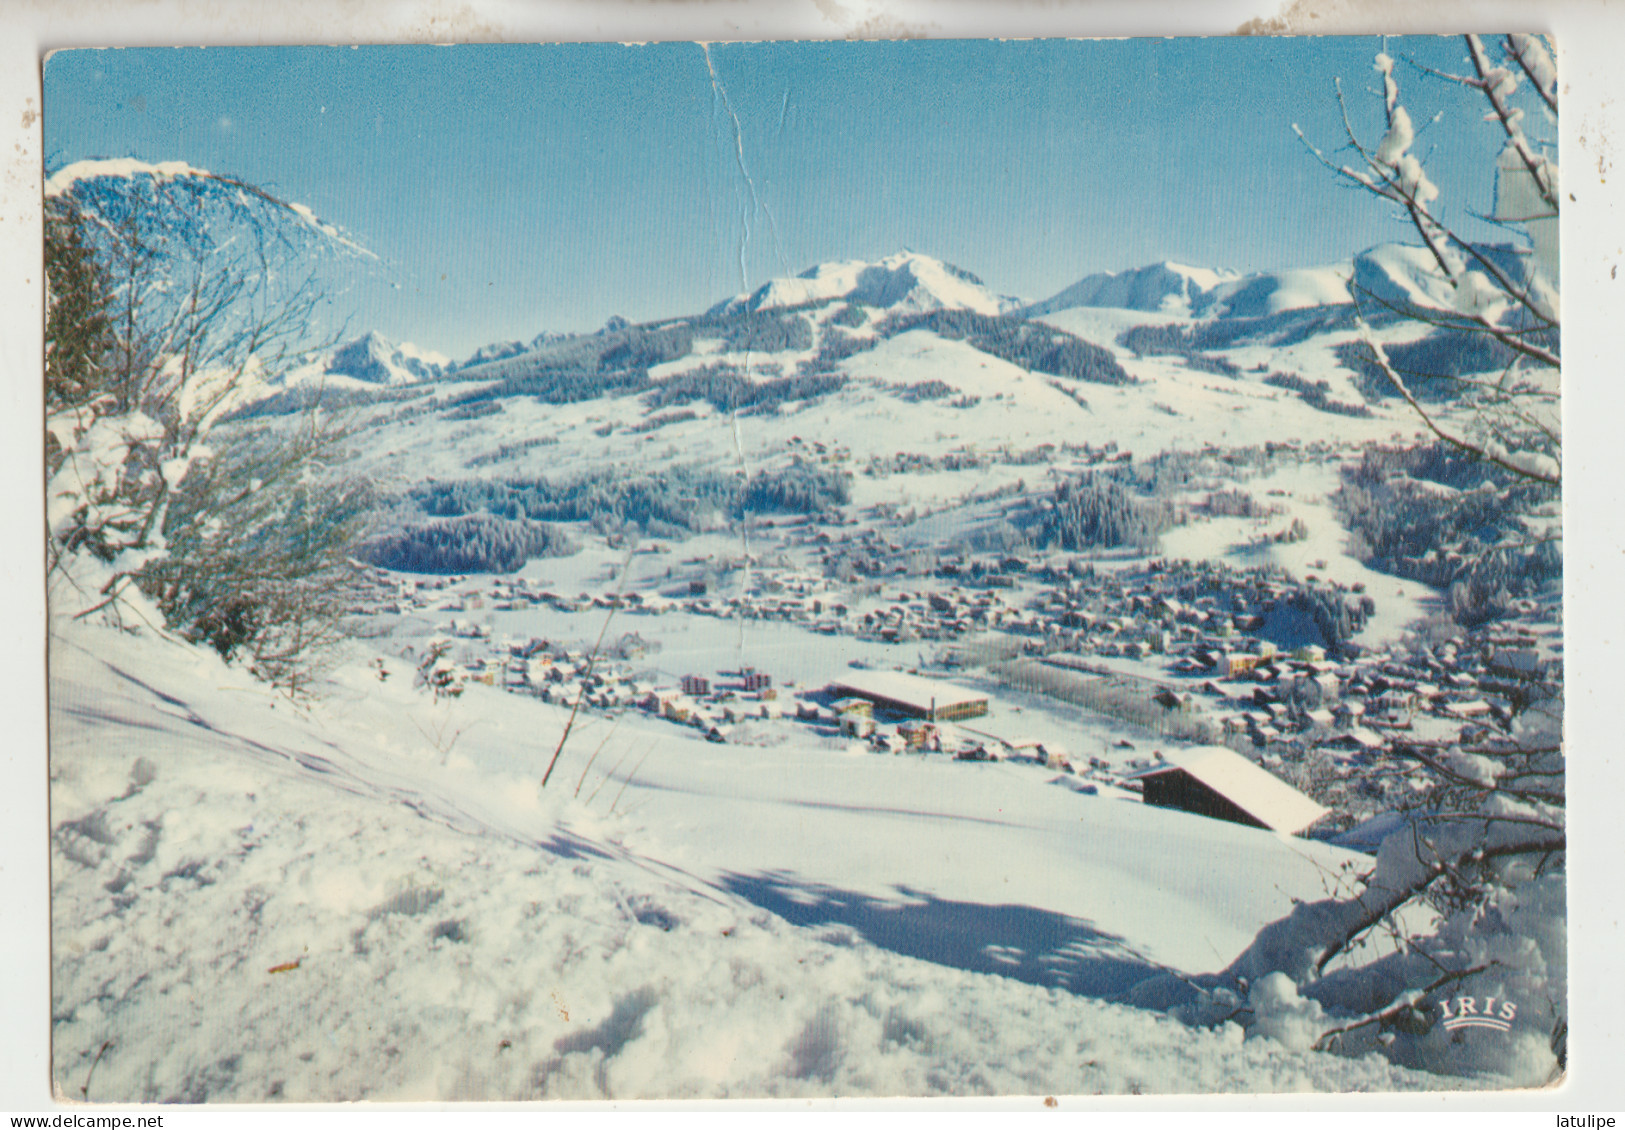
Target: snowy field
(254, 902)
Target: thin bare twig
(592, 659)
(607, 777)
(1406, 1001)
(1478, 451)
(583, 778)
(84, 1091)
(1391, 900)
(629, 778)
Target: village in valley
(1099, 671)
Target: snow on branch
(1538, 466)
(1498, 85)
(79, 181)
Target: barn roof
(1256, 791)
(898, 686)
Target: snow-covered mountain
(502, 350)
(1384, 276)
(1171, 288)
(1389, 274)
(1175, 288)
(906, 282)
(374, 359)
(496, 351)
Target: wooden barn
(1219, 782)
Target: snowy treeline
(1175, 341)
(1433, 365)
(1285, 328)
(474, 543)
(1032, 345)
(800, 488)
(1316, 393)
(1434, 515)
(728, 388)
(1097, 510)
(305, 398)
(670, 501)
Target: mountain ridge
(904, 282)
(910, 284)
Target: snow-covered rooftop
(912, 690)
(1256, 791)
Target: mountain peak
(374, 359)
(1401, 275)
(1168, 287)
(906, 281)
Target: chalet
(1171, 700)
(1355, 739)
(1315, 689)
(857, 725)
(1235, 664)
(1220, 783)
(1517, 663)
(1054, 756)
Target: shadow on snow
(1037, 946)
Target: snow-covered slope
(258, 903)
(1389, 275)
(906, 283)
(1395, 274)
(1275, 292)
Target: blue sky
(514, 189)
